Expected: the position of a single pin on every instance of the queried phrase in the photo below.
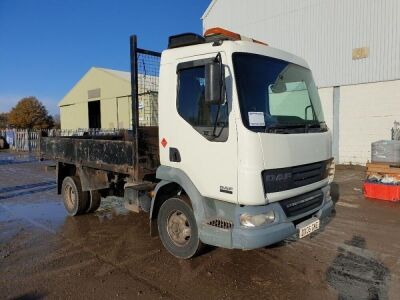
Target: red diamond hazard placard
(164, 142)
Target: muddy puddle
(16, 159)
(26, 189)
(49, 212)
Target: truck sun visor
(184, 39)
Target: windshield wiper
(315, 124)
(321, 125)
(274, 127)
(288, 126)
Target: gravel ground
(109, 254)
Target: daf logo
(226, 189)
(278, 177)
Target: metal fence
(148, 67)
(21, 139)
(29, 139)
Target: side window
(210, 120)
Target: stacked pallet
(382, 181)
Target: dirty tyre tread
(82, 202)
(195, 246)
(94, 201)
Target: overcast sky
(46, 46)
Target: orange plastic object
(382, 191)
(218, 30)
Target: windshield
(276, 96)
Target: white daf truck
(241, 157)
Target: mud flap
(92, 179)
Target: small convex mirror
(277, 88)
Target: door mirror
(214, 83)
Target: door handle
(174, 155)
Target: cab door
(203, 136)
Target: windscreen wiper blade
(275, 127)
(315, 124)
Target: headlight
(330, 169)
(257, 220)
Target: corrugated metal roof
(324, 32)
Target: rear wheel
(94, 201)
(178, 229)
(76, 201)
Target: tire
(75, 200)
(94, 201)
(178, 229)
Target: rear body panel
(116, 154)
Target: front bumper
(240, 237)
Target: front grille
(220, 223)
(301, 204)
(303, 175)
(276, 180)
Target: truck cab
(241, 157)
(251, 151)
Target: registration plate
(307, 227)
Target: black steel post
(134, 85)
(135, 103)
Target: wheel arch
(63, 170)
(174, 182)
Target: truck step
(136, 199)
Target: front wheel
(178, 229)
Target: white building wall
(324, 32)
(367, 113)
(326, 96)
